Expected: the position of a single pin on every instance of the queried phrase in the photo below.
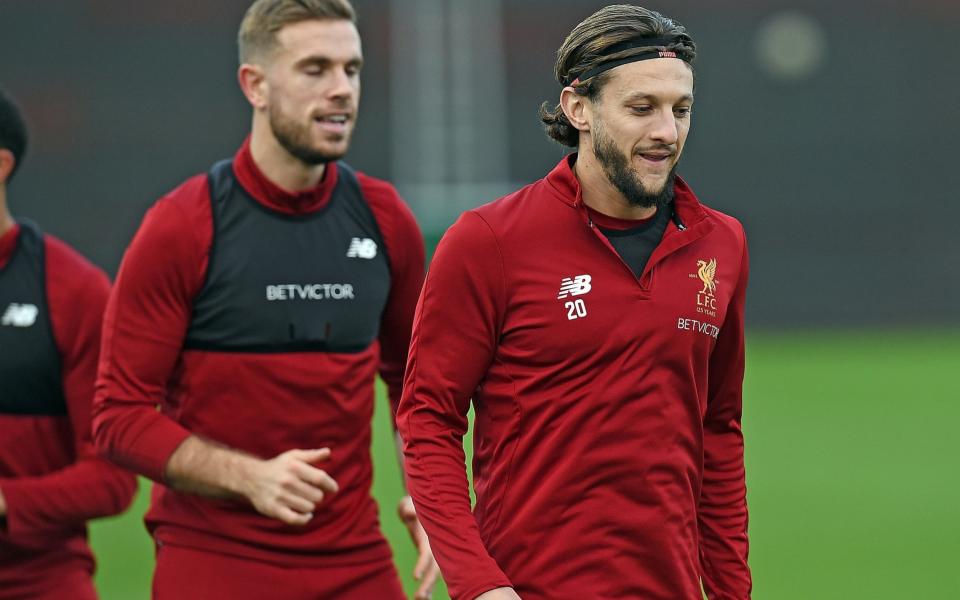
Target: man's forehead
(659, 76)
(332, 38)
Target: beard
(616, 166)
(295, 139)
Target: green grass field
(851, 465)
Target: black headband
(657, 42)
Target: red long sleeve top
(50, 477)
(263, 404)
(608, 455)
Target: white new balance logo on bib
(19, 315)
(576, 286)
(362, 248)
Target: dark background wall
(828, 128)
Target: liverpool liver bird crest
(707, 271)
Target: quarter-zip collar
(567, 189)
(8, 243)
(276, 198)
(695, 218)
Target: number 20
(575, 310)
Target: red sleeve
(405, 251)
(723, 498)
(457, 324)
(146, 320)
(90, 487)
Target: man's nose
(342, 84)
(665, 129)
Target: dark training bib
(30, 370)
(290, 283)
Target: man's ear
(253, 83)
(7, 163)
(576, 108)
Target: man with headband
(595, 320)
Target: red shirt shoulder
(183, 215)
(396, 221)
(71, 268)
(406, 256)
(537, 209)
(77, 292)
(724, 221)
(731, 233)
(380, 190)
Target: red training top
(50, 477)
(608, 455)
(263, 404)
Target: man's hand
(426, 570)
(3, 505)
(503, 593)
(288, 487)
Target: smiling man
(595, 320)
(255, 306)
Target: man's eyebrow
(325, 61)
(636, 96)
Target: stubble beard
(616, 166)
(295, 139)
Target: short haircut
(13, 130)
(586, 46)
(258, 31)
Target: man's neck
(601, 195)
(6, 219)
(278, 165)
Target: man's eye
(642, 109)
(683, 111)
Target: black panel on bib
(290, 283)
(30, 375)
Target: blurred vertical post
(419, 91)
(449, 132)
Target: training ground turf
(852, 472)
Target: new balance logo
(19, 315)
(576, 286)
(365, 248)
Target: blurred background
(827, 128)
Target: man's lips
(656, 156)
(339, 117)
(333, 122)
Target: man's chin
(650, 191)
(335, 150)
(323, 154)
(654, 186)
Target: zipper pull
(678, 222)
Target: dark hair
(585, 48)
(264, 18)
(13, 131)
